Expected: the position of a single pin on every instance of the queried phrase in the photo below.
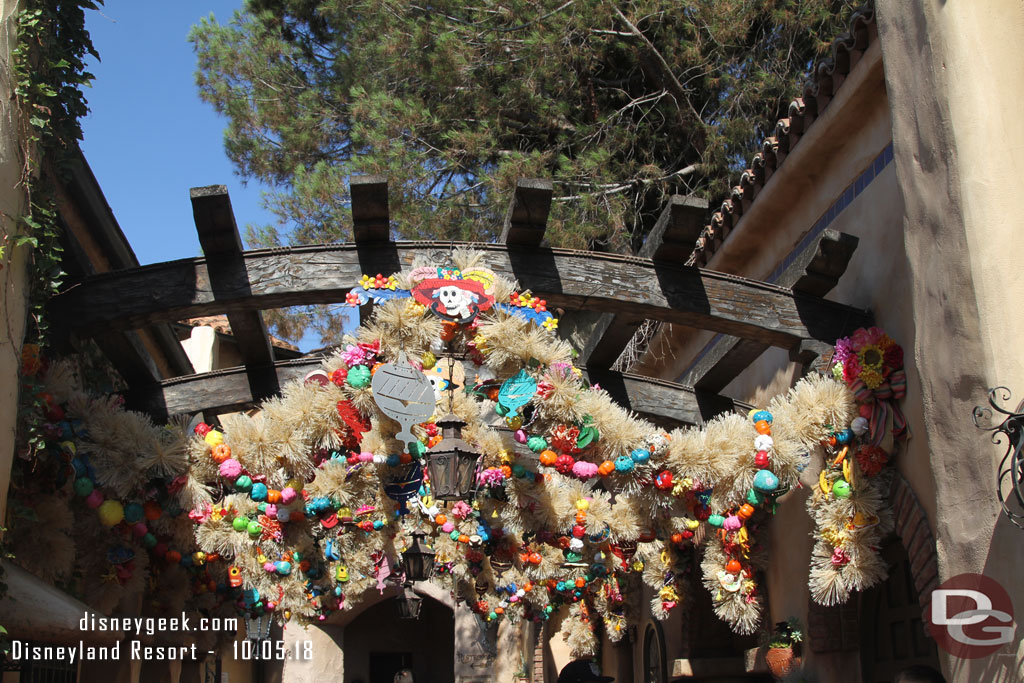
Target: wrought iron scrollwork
(1010, 481)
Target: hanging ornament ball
(841, 488)
(606, 468)
(640, 455)
(83, 486)
(733, 566)
(111, 513)
(254, 528)
(624, 463)
(358, 377)
(152, 510)
(133, 513)
(564, 463)
(240, 523)
(288, 495)
(766, 481)
(716, 520)
(761, 459)
(520, 436)
(514, 421)
(243, 484)
(230, 469)
(761, 416)
(285, 568)
(429, 360)
(537, 443)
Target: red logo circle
(970, 616)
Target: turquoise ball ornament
(283, 568)
(624, 463)
(133, 513)
(640, 455)
(83, 486)
(358, 377)
(258, 492)
(765, 481)
(762, 415)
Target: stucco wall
(953, 71)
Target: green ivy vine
(49, 73)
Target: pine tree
(619, 103)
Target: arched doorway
(893, 634)
(378, 644)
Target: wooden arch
(620, 289)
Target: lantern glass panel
(418, 559)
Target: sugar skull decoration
(453, 294)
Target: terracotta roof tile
(827, 77)
(220, 324)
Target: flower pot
(780, 661)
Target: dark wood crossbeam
(815, 272)
(674, 235)
(571, 280)
(229, 390)
(527, 215)
(371, 221)
(222, 248)
(671, 240)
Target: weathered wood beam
(222, 248)
(527, 215)
(671, 240)
(371, 220)
(815, 272)
(571, 280)
(228, 390)
(673, 237)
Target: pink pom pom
(288, 494)
(732, 523)
(94, 499)
(271, 511)
(448, 527)
(269, 567)
(231, 469)
(140, 529)
(366, 457)
(520, 436)
(271, 606)
(584, 469)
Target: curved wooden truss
(621, 289)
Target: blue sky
(148, 137)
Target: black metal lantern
(452, 462)
(418, 559)
(409, 603)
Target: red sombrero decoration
(453, 294)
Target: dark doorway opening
(384, 665)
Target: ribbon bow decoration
(883, 400)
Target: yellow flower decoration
(551, 323)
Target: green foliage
(785, 634)
(49, 71)
(620, 104)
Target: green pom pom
(243, 483)
(240, 523)
(149, 540)
(358, 377)
(83, 486)
(536, 443)
(254, 528)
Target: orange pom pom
(221, 452)
(606, 468)
(273, 496)
(733, 566)
(548, 458)
(763, 427)
(440, 519)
